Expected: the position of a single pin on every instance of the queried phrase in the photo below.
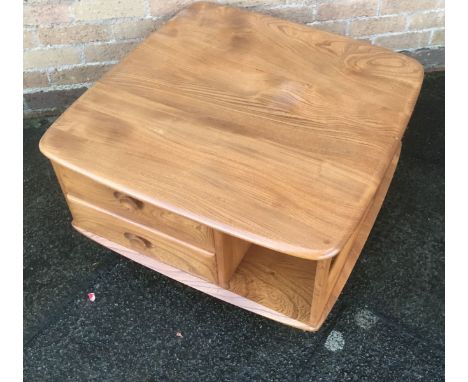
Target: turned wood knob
(128, 202)
(137, 241)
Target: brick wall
(69, 44)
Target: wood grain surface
(133, 209)
(229, 253)
(275, 280)
(269, 131)
(319, 297)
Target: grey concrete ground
(388, 325)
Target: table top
(270, 131)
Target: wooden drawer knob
(128, 202)
(137, 241)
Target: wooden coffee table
(240, 154)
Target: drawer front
(121, 231)
(140, 212)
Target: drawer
(133, 209)
(137, 237)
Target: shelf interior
(280, 282)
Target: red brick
(108, 9)
(50, 57)
(404, 40)
(427, 20)
(404, 6)
(108, 52)
(345, 9)
(377, 25)
(45, 13)
(77, 75)
(438, 38)
(74, 34)
(35, 80)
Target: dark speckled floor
(388, 325)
